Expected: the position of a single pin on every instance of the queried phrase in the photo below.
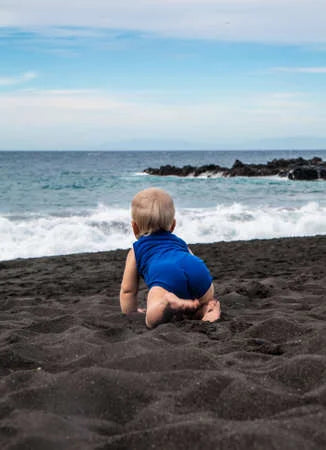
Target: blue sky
(156, 74)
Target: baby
(177, 280)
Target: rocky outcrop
(210, 169)
(308, 173)
(294, 169)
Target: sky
(162, 74)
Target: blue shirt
(164, 260)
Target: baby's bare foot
(178, 304)
(211, 311)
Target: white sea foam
(205, 175)
(240, 222)
(106, 228)
(102, 229)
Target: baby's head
(152, 210)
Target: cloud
(19, 79)
(277, 21)
(310, 70)
(78, 119)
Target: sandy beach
(77, 374)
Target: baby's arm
(129, 285)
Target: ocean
(55, 203)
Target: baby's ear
(173, 225)
(135, 229)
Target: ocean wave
(32, 236)
(108, 228)
(241, 222)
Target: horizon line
(173, 150)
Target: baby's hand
(141, 310)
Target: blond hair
(152, 209)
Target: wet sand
(77, 374)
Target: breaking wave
(106, 228)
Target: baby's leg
(210, 309)
(161, 304)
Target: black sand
(77, 374)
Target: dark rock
(304, 173)
(243, 171)
(316, 161)
(293, 168)
(237, 164)
(185, 171)
(322, 173)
